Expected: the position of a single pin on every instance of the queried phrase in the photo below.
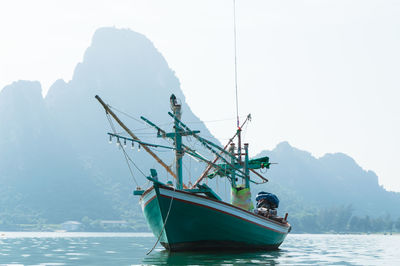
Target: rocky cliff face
(56, 163)
(55, 151)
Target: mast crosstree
(231, 168)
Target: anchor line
(165, 222)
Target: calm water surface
(130, 249)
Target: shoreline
(52, 234)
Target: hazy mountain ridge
(56, 163)
(70, 170)
(37, 166)
(332, 180)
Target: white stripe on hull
(147, 198)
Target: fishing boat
(194, 217)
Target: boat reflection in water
(163, 257)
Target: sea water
(41, 248)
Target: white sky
(323, 75)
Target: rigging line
(120, 145)
(245, 132)
(142, 134)
(162, 230)
(129, 158)
(211, 121)
(161, 150)
(125, 154)
(188, 169)
(127, 162)
(234, 42)
(140, 121)
(149, 127)
(225, 190)
(128, 115)
(215, 120)
(142, 128)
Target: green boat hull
(185, 221)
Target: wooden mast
(108, 110)
(176, 108)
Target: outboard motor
(267, 204)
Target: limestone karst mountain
(40, 175)
(56, 163)
(56, 150)
(311, 187)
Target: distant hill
(41, 177)
(308, 186)
(55, 160)
(56, 164)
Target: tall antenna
(234, 41)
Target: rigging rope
(128, 115)
(234, 41)
(244, 132)
(129, 158)
(162, 230)
(211, 121)
(124, 152)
